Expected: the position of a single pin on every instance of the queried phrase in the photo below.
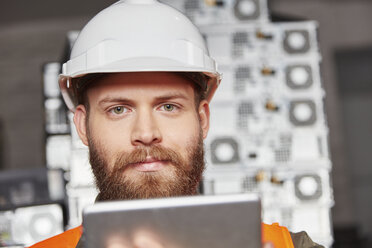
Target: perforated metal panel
(271, 102)
(209, 12)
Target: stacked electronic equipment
(31, 206)
(64, 150)
(67, 152)
(268, 128)
(32, 202)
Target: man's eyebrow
(111, 99)
(171, 96)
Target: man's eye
(168, 107)
(118, 110)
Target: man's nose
(145, 129)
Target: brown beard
(114, 184)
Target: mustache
(140, 154)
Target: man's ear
(204, 117)
(80, 123)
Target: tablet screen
(193, 222)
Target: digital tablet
(183, 222)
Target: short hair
(82, 84)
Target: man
(139, 82)
(145, 134)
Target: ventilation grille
(240, 41)
(192, 5)
(245, 109)
(249, 184)
(242, 74)
(282, 155)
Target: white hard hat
(138, 36)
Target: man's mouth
(149, 165)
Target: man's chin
(143, 185)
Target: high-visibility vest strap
(279, 236)
(68, 239)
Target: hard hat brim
(144, 64)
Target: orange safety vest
(278, 235)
